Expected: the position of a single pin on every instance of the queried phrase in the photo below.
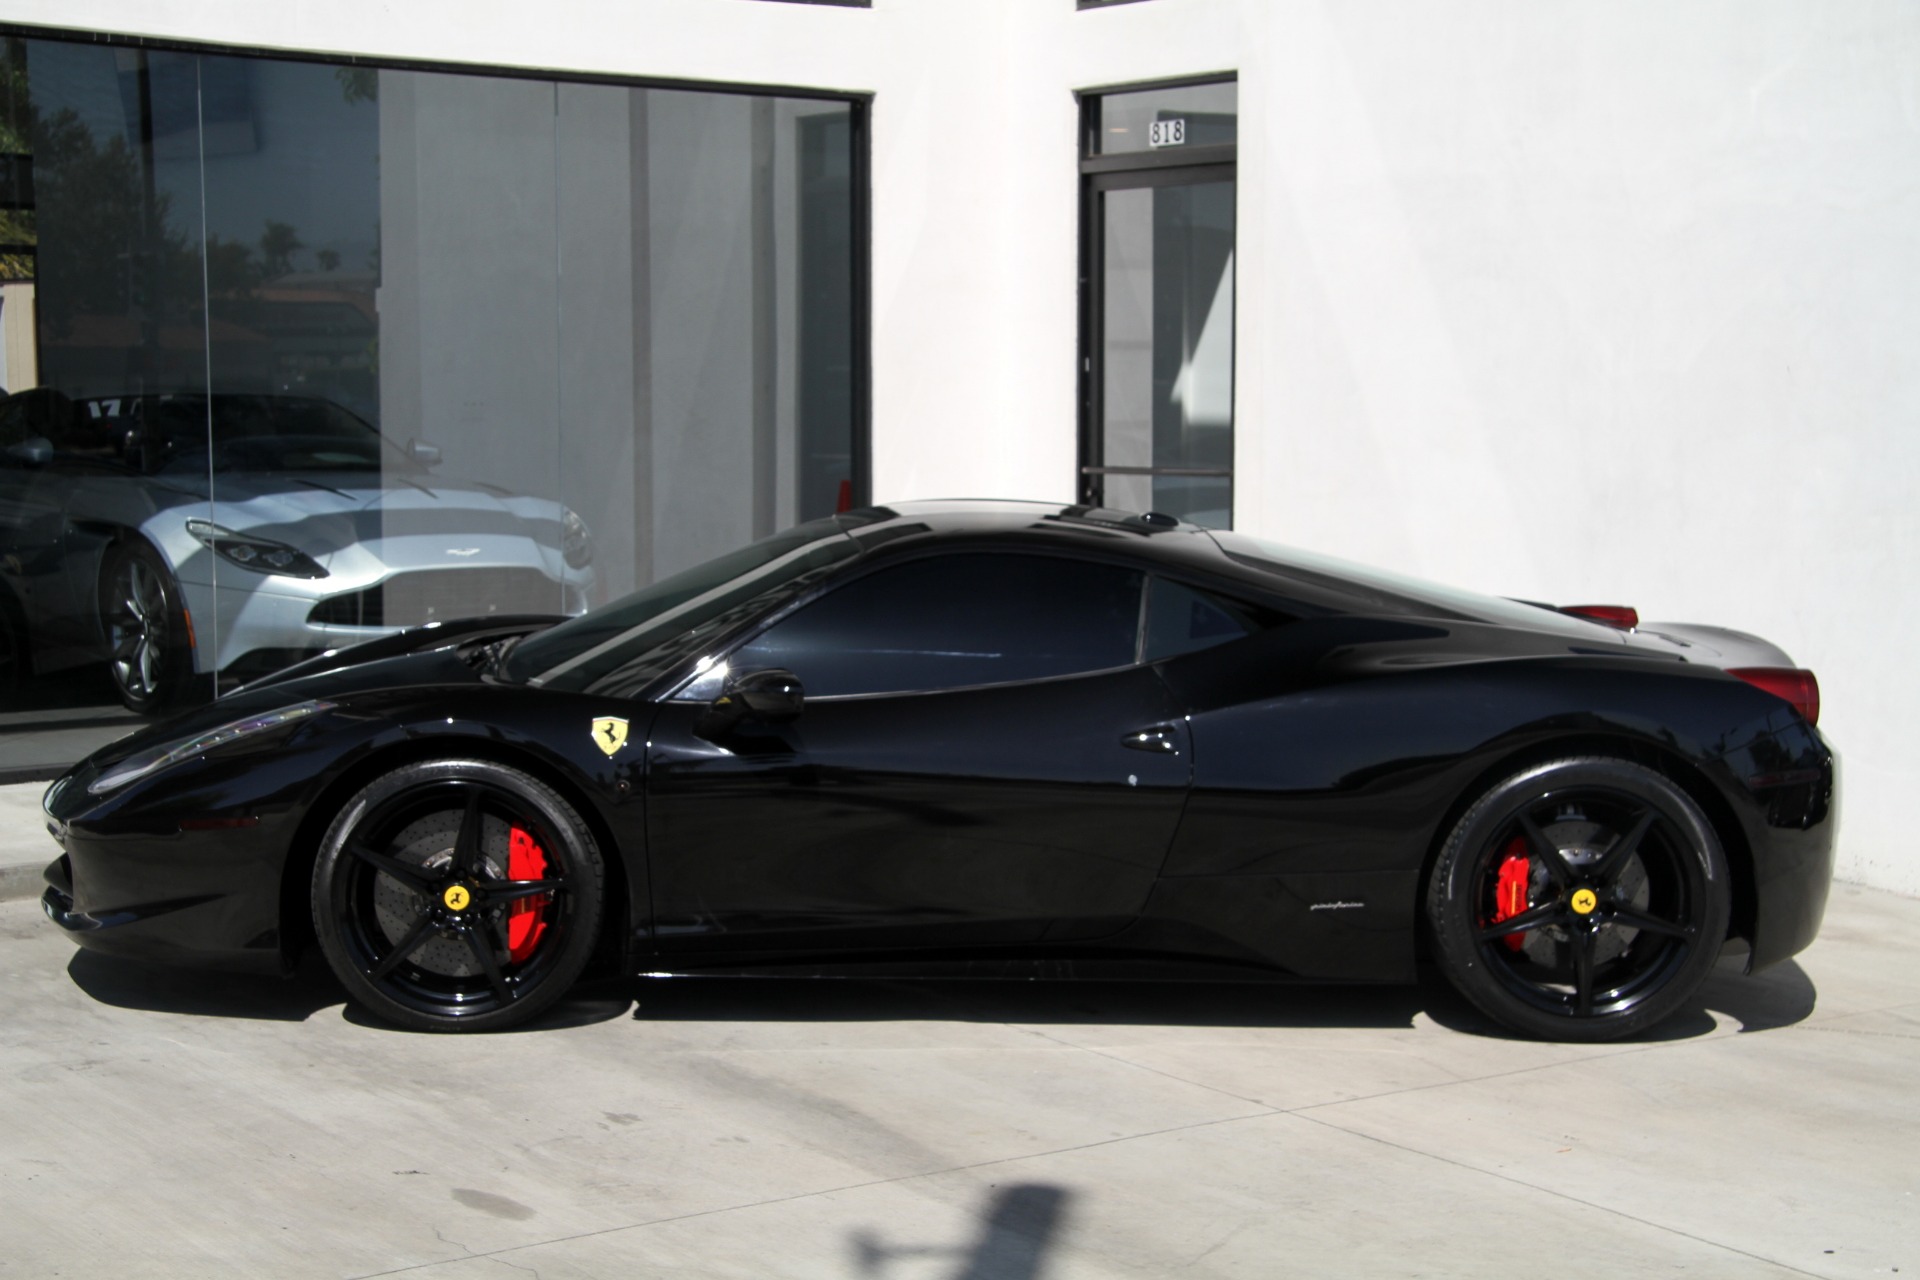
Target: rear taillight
(1623, 616)
(1795, 684)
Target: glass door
(1158, 317)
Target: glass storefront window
(295, 354)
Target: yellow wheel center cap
(457, 897)
(1583, 902)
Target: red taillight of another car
(1796, 684)
(1623, 616)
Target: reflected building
(590, 333)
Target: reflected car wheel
(457, 895)
(1583, 900)
(148, 652)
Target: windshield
(251, 433)
(623, 647)
(1397, 593)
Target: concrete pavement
(161, 1123)
(25, 846)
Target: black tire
(149, 657)
(413, 890)
(1612, 921)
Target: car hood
(446, 666)
(324, 512)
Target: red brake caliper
(525, 861)
(1510, 890)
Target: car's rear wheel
(149, 656)
(457, 895)
(1583, 899)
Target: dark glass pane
(745, 357)
(1182, 620)
(293, 229)
(1194, 115)
(1167, 354)
(338, 350)
(957, 621)
(321, 413)
(826, 353)
(705, 320)
(101, 308)
(116, 195)
(469, 518)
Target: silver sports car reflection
(179, 536)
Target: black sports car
(984, 739)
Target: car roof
(1292, 579)
(1161, 541)
(990, 517)
(912, 527)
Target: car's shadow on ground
(309, 990)
(1780, 997)
(134, 984)
(1198, 1004)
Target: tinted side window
(954, 621)
(1182, 620)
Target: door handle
(1162, 738)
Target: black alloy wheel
(457, 895)
(1584, 899)
(148, 653)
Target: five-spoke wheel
(1583, 899)
(457, 895)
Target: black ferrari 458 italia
(984, 739)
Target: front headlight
(576, 544)
(262, 555)
(154, 759)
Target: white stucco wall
(1570, 300)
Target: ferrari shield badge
(610, 733)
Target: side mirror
(34, 451)
(774, 695)
(427, 455)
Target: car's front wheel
(1583, 899)
(457, 895)
(149, 656)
